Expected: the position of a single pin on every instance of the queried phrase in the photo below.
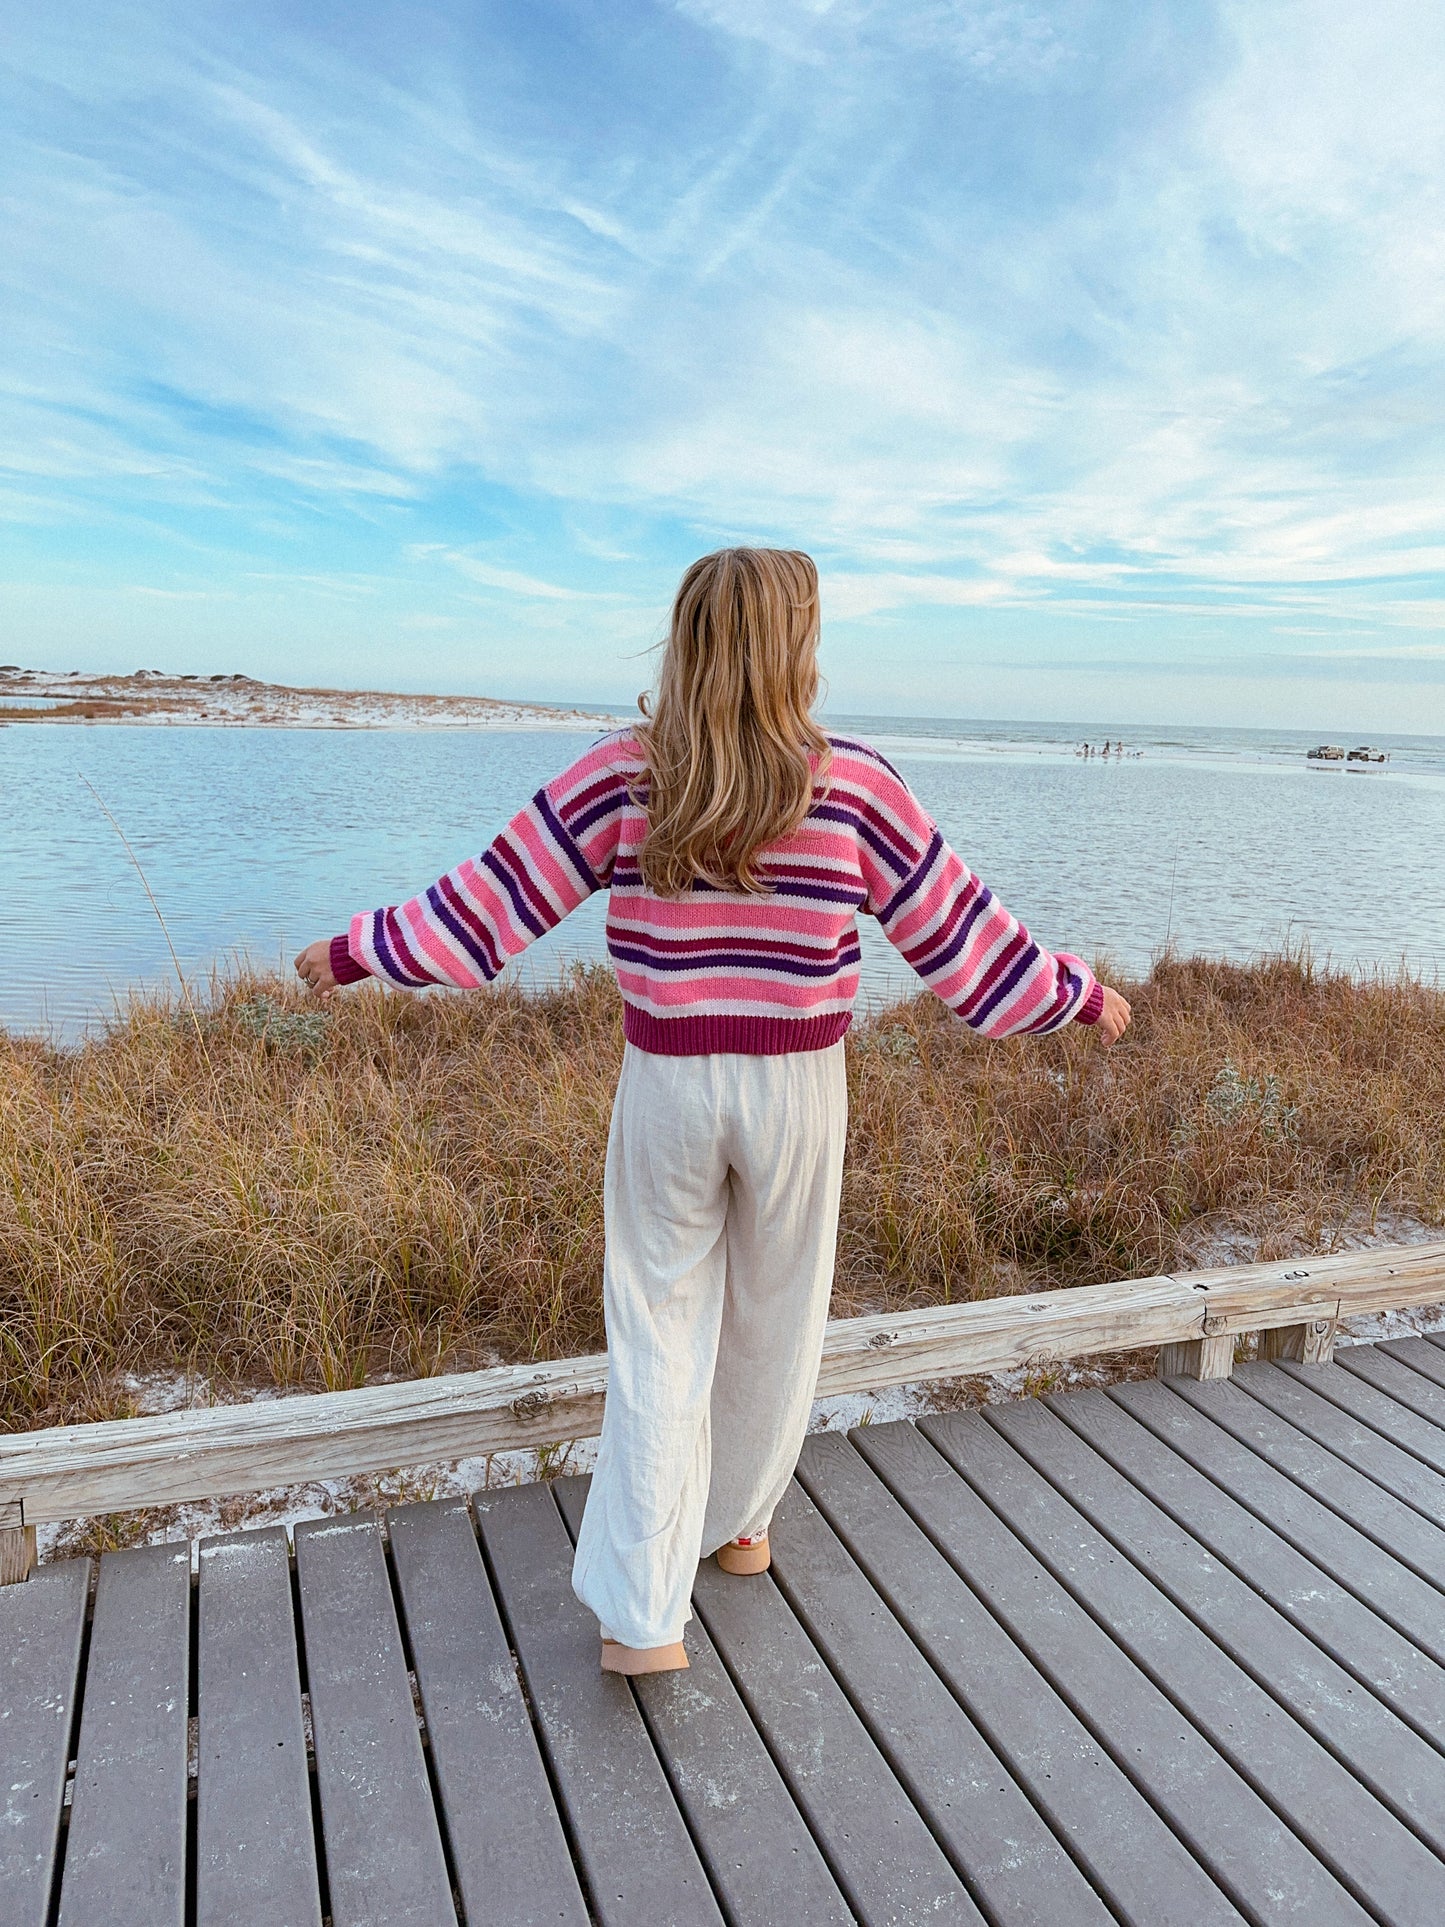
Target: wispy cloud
(1051, 315)
(511, 581)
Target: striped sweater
(722, 970)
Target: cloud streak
(1069, 315)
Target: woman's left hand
(1113, 1019)
(313, 967)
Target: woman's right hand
(1113, 1019)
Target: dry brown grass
(273, 1195)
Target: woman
(739, 843)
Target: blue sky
(1094, 347)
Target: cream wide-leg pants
(721, 1201)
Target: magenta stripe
(709, 1032)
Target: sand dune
(150, 696)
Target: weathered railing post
(17, 1544)
(1309, 1344)
(1211, 1357)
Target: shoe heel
(633, 1661)
(745, 1559)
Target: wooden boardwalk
(1174, 1653)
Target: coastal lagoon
(255, 840)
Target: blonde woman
(738, 843)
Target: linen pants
(721, 1209)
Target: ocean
(253, 841)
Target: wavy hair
(729, 732)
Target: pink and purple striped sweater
(721, 970)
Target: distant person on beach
(739, 843)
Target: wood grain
(17, 1553)
(1211, 1357)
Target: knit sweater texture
(727, 970)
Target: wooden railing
(1194, 1318)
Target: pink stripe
(562, 882)
(448, 962)
(699, 990)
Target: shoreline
(151, 699)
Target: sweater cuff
(343, 967)
(1089, 1012)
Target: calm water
(255, 841)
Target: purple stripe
(491, 860)
(718, 960)
(507, 850)
(942, 947)
(1006, 989)
(765, 946)
(385, 930)
(561, 836)
(456, 929)
(910, 884)
(986, 992)
(1052, 1017)
(884, 851)
(611, 805)
(868, 754)
(482, 933)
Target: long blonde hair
(728, 735)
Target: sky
(1093, 347)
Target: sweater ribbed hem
(701, 1036)
(344, 967)
(1092, 1008)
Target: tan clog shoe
(748, 1554)
(633, 1660)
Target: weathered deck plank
(637, 1858)
(42, 1624)
(384, 1859)
(255, 1849)
(1353, 1441)
(1355, 1637)
(1400, 1768)
(764, 1863)
(1136, 1834)
(125, 1861)
(1389, 1589)
(1422, 1355)
(1360, 1394)
(1343, 1824)
(882, 1853)
(512, 1861)
(1395, 1527)
(1396, 1373)
(1006, 1854)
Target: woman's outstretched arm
(461, 931)
(968, 949)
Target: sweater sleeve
(956, 934)
(554, 853)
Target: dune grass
(271, 1194)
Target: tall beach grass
(272, 1194)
